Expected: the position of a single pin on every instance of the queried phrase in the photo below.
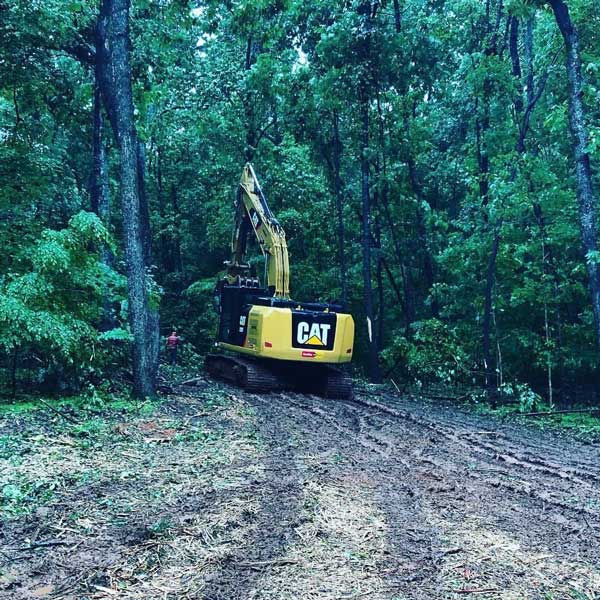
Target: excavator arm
(252, 213)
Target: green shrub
(51, 311)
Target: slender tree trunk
(580, 138)
(379, 261)
(428, 264)
(153, 317)
(380, 301)
(100, 192)
(113, 49)
(499, 368)
(516, 62)
(490, 385)
(528, 55)
(177, 258)
(339, 204)
(523, 123)
(409, 294)
(143, 203)
(408, 307)
(523, 112)
(549, 262)
(162, 239)
(99, 188)
(397, 16)
(365, 10)
(13, 373)
(408, 300)
(394, 284)
(482, 126)
(373, 358)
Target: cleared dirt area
(216, 495)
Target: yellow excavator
(271, 341)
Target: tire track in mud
(270, 530)
(545, 442)
(460, 500)
(368, 456)
(528, 494)
(467, 439)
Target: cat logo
(315, 334)
(313, 330)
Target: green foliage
(54, 305)
(432, 353)
(266, 81)
(526, 399)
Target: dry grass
(489, 559)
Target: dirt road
(293, 497)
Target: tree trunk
(380, 301)
(339, 204)
(365, 10)
(528, 54)
(490, 385)
(113, 47)
(483, 162)
(100, 193)
(162, 238)
(99, 189)
(428, 264)
(380, 315)
(516, 62)
(482, 126)
(373, 358)
(397, 16)
(13, 373)
(580, 138)
(408, 302)
(551, 261)
(153, 318)
(177, 258)
(143, 203)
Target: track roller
(263, 377)
(247, 374)
(338, 385)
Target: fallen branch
(475, 590)
(269, 563)
(193, 381)
(452, 551)
(58, 412)
(359, 595)
(45, 544)
(549, 413)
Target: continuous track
(262, 377)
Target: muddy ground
(218, 495)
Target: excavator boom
(252, 213)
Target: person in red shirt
(172, 342)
